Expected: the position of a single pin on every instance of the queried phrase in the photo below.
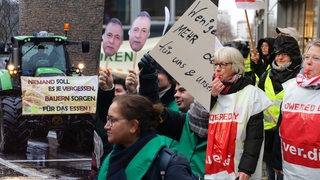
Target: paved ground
(8, 173)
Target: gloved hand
(147, 64)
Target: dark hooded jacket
(265, 61)
(288, 45)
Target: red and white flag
(250, 4)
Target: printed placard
(59, 95)
(122, 61)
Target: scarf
(122, 156)
(280, 68)
(198, 119)
(228, 84)
(312, 83)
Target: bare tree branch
(9, 19)
(224, 31)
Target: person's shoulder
(174, 166)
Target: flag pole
(251, 40)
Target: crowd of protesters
(150, 127)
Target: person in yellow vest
(244, 48)
(248, 64)
(299, 121)
(284, 67)
(263, 59)
(138, 152)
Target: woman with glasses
(233, 140)
(138, 152)
(285, 66)
(235, 130)
(299, 121)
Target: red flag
(250, 4)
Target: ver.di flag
(250, 4)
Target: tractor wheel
(14, 133)
(79, 137)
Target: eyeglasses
(222, 65)
(111, 120)
(313, 58)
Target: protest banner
(187, 50)
(59, 95)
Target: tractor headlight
(80, 66)
(79, 69)
(12, 69)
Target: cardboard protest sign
(123, 60)
(187, 49)
(59, 95)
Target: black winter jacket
(265, 61)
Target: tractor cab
(43, 54)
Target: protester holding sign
(188, 129)
(299, 121)
(263, 59)
(112, 39)
(138, 35)
(235, 132)
(191, 130)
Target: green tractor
(41, 55)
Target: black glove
(147, 64)
(148, 78)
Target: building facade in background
(301, 14)
(242, 30)
(85, 19)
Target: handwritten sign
(59, 95)
(187, 50)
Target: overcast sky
(235, 13)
